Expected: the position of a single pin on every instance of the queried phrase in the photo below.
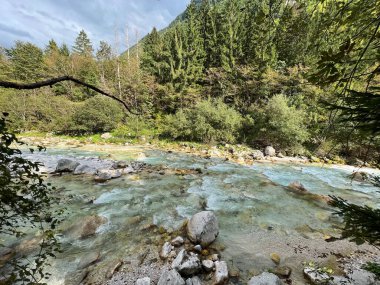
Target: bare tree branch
(50, 82)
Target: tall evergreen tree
(83, 44)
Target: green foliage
(280, 124)
(362, 223)
(209, 121)
(373, 268)
(25, 202)
(97, 114)
(83, 44)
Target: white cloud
(38, 21)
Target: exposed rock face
(86, 227)
(186, 264)
(170, 277)
(193, 281)
(265, 278)
(257, 154)
(221, 272)
(165, 251)
(270, 151)
(143, 281)
(66, 165)
(203, 228)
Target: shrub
(281, 124)
(97, 114)
(209, 121)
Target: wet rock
(207, 265)
(193, 281)
(270, 151)
(178, 241)
(104, 175)
(113, 268)
(88, 259)
(282, 271)
(76, 278)
(86, 227)
(265, 278)
(315, 277)
(106, 136)
(66, 165)
(165, 250)
(120, 164)
(84, 169)
(297, 186)
(137, 165)
(221, 272)
(257, 154)
(143, 281)
(275, 258)
(203, 228)
(170, 277)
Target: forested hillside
(302, 76)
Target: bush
(209, 121)
(281, 125)
(97, 114)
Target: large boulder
(265, 278)
(66, 165)
(257, 154)
(86, 226)
(84, 169)
(270, 151)
(221, 273)
(170, 277)
(203, 228)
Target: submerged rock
(297, 186)
(86, 226)
(203, 228)
(170, 277)
(265, 278)
(89, 259)
(66, 165)
(270, 151)
(221, 272)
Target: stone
(221, 273)
(282, 271)
(315, 277)
(66, 165)
(257, 154)
(186, 264)
(143, 281)
(179, 259)
(265, 278)
(207, 265)
(170, 277)
(104, 175)
(88, 259)
(178, 241)
(280, 155)
(84, 169)
(203, 228)
(198, 248)
(214, 257)
(86, 226)
(113, 267)
(165, 250)
(270, 151)
(298, 187)
(193, 281)
(106, 136)
(275, 258)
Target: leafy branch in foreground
(25, 202)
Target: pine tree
(83, 44)
(64, 50)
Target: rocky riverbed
(129, 207)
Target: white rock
(179, 259)
(170, 277)
(207, 265)
(270, 151)
(193, 281)
(315, 277)
(203, 228)
(221, 272)
(265, 278)
(165, 251)
(178, 241)
(143, 281)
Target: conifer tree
(83, 44)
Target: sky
(38, 21)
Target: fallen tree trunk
(52, 81)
